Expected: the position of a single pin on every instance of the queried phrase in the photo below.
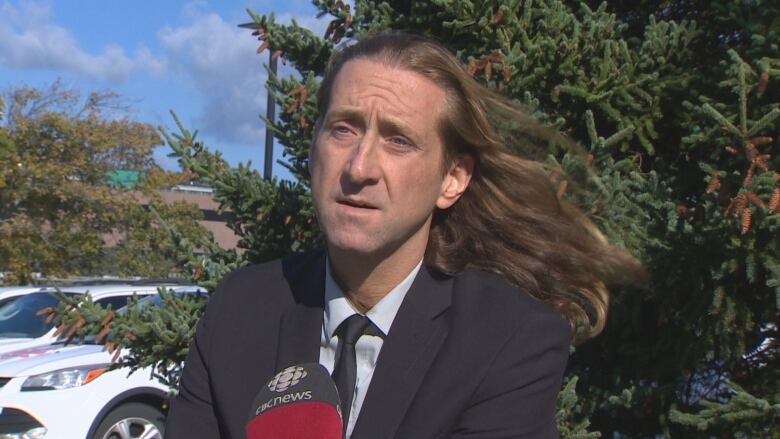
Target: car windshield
(8, 300)
(19, 319)
(156, 300)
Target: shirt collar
(338, 308)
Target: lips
(356, 203)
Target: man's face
(376, 163)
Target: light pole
(270, 111)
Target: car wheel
(132, 420)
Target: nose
(363, 166)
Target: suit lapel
(299, 340)
(407, 352)
(301, 325)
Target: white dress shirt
(338, 309)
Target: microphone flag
(300, 402)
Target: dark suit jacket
(467, 356)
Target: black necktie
(345, 370)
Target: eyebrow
(344, 114)
(385, 123)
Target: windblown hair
(510, 220)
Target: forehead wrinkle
(392, 99)
(354, 113)
(382, 87)
(342, 113)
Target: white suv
(8, 294)
(21, 327)
(66, 391)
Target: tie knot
(355, 326)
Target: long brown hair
(510, 220)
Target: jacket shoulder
(492, 298)
(272, 281)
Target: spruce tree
(676, 108)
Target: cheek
(419, 184)
(317, 160)
(325, 170)
(322, 170)
(316, 172)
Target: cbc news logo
(287, 378)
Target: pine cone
(750, 172)
(763, 80)
(774, 201)
(761, 162)
(755, 199)
(740, 203)
(714, 183)
(746, 217)
(102, 334)
(759, 141)
(751, 152)
(107, 318)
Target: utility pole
(270, 113)
(270, 110)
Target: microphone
(300, 402)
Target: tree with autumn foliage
(676, 106)
(59, 215)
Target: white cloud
(220, 61)
(206, 54)
(30, 40)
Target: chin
(352, 243)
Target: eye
(341, 130)
(400, 143)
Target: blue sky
(189, 57)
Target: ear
(456, 180)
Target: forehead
(367, 86)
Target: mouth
(355, 203)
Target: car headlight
(35, 433)
(63, 378)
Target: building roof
(123, 179)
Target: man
(459, 254)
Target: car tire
(132, 420)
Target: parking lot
(51, 388)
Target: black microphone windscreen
(299, 402)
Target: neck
(366, 279)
